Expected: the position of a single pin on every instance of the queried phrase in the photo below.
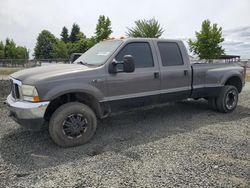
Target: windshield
(99, 54)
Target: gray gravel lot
(183, 144)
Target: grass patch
(8, 71)
(248, 75)
(248, 78)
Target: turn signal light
(36, 98)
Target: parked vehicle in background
(115, 76)
(74, 57)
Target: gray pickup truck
(114, 76)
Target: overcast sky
(22, 20)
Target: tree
(80, 46)
(1, 50)
(65, 35)
(74, 32)
(44, 45)
(9, 50)
(60, 49)
(145, 29)
(103, 28)
(91, 42)
(21, 53)
(208, 40)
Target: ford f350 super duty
(115, 76)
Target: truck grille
(14, 90)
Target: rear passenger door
(139, 88)
(175, 71)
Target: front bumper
(28, 114)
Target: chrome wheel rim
(231, 99)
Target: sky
(23, 20)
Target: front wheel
(72, 124)
(227, 99)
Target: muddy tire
(227, 99)
(72, 124)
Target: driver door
(139, 88)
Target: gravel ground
(183, 144)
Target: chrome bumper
(28, 114)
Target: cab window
(141, 53)
(170, 54)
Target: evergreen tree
(1, 50)
(80, 46)
(9, 50)
(74, 32)
(65, 35)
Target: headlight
(29, 93)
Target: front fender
(62, 89)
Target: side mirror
(128, 65)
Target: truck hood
(49, 72)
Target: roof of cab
(145, 39)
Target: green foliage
(80, 36)
(1, 50)
(91, 42)
(80, 46)
(103, 28)
(21, 53)
(48, 46)
(208, 40)
(11, 51)
(60, 49)
(74, 32)
(44, 45)
(146, 29)
(65, 35)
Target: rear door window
(170, 54)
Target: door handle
(97, 80)
(185, 72)
(156, 75)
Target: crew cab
(114, 76)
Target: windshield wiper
(82, 63)
(85, 63)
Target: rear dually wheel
(227, 99)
